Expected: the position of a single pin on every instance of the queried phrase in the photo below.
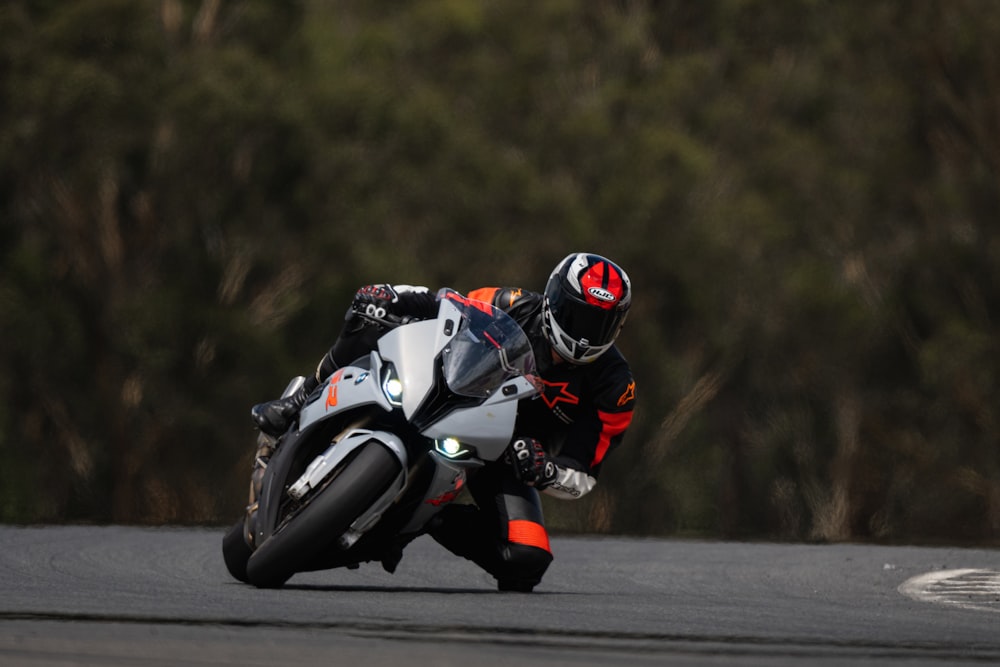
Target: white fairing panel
(487, 427)
(328, 461)
(413, 349)
(348, 387)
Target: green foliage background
(805, 194)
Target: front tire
(236, 552)
(327, 516)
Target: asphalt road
(151, 597)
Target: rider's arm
(574, 478)
(592, 437)
(374, 309)
(516, 302)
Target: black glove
(389, 307)
(530, 463)
(373, 303)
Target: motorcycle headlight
(452, 448)
(392, 386)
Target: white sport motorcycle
(384, 444)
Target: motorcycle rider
(562, 435)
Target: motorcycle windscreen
(487, 351)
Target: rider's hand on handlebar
(530, 463)
(376, 304)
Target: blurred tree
(129, 141)
(804, 197)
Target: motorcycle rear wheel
(327, 516)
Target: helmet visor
(588, 325)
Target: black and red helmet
(586, 301)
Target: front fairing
(488, 349)
(463, 372)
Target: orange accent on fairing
(331, 396)
(448, 496)
(528, 533)
(612, 423)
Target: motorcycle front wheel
(236, 552)
(328, 515)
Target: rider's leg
(504, 534)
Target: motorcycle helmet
(586, 300)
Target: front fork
(266, 445)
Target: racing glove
(392, 305)
(531, 464)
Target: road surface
(86, 595)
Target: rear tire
(327, 516)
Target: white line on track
(978, 590)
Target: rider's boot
(274, 417)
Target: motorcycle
(385, 443)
